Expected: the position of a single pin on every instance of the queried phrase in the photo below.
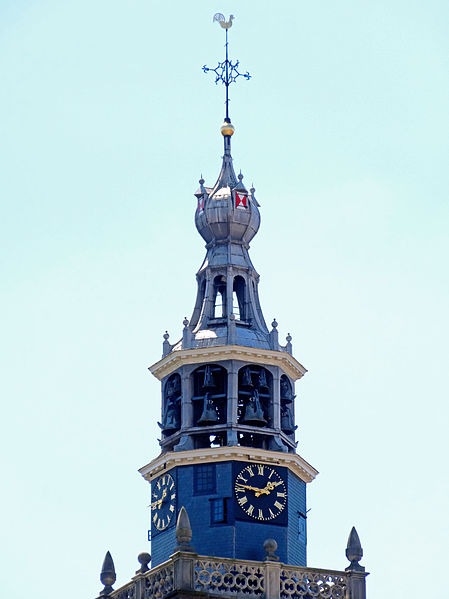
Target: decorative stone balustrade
(241, 579)
(186, 575)
(234, 578)
(309, 582)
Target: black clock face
(260, 492)
(163, 501)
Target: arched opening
(287, 397)
(254, 396)
(238, 298)
(209, 395)
(171, 417)
(219, 297)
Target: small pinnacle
(240, 176)
(288, 338)
(274, 324)
(144, 559)
(107, 575)
(183, 531)
(201, 181)
(270, 546)
(166, 335)
(185, 322)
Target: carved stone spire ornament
(183, 531)
(354, 551)
(107, 575)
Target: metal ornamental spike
(227, 71)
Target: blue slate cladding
(233, 538)
(162, 546)
(297, 535)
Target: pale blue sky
(106, 123)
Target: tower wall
(236, 536)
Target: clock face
(163, 501)
(260, 492)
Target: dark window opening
(217, 511)
(204, 479)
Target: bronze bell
(287, 420)
(254, 412)
(209, 414)
(286, 390)
(172, 420)
(208, 382)
(263, 379)
(246, 378)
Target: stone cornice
(176, 359)
(167, 461)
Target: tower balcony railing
(186, 574)
(223, 577)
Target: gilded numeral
(172, 485)
(155, 519)
(271, 474)
(250, 471)
(271, 513)
(172, 508)
(173, 496)
(260, 516)
(260, 468)
(278, 505)
(158, 484)
(250, 510)
(240, 477)
(242, 500)
(279, 494)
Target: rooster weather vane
(227, 71)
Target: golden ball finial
(227, 129)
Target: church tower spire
(228, 445)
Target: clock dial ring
(163, 502)
(260, 492)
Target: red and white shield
(241, 200)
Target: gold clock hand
(256, 490)
(271, 486)
(157, 504)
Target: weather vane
(227, 71)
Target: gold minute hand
(258, 492)
(271, 486)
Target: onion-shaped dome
(227, 211)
